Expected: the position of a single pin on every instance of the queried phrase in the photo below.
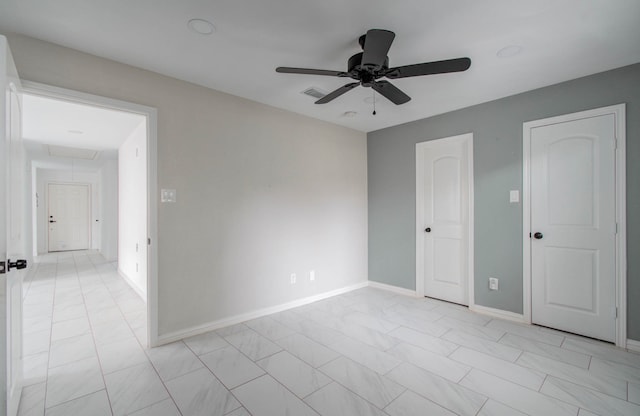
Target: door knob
(427, 230)
(538, 236)
(51, 221)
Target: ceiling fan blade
(337, 93)
(391, 92)
(376, 47)
(429, 68)
(308, 71)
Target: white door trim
(152, 181)
(621, 217)
(466, 138)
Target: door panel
(443, 217)
(445, 185)
(571, 203)
(69, 209)
(444, 270)
(12, 230)
(573, 206)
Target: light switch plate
(514, 196)
(168, 195)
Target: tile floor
(367, 352)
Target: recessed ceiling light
(509, 51)
(75, 131)
(201, 26)
(349, 114)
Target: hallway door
(69, 217)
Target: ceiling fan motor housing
(366, 74)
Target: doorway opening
(107, 148)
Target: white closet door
(573, 226)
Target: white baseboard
(498, 313)
(633, 345)
(394, 289)
(221, 323)
(134, 286)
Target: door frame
(466, 138)
(89, 213)
(621, 217)
(151, 115)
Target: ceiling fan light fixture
(509, 51)
(201, 26)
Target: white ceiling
(63, 123)
(561, 40)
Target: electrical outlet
(312, 275)
(293, 278)
(493, 283)
(168, 195)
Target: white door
(443, 217)
(573, 225)
(12, 246)
(69, 217)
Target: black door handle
(427, 230)
(538, 236)
(51, 221)
(18, 264)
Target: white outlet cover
(493, 283)
(514, 196)
(293, 278)
(312, 275)
(168, 195)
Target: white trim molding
(621, 217)
(467, 139)
(151, 115)
(233, 320)
(633, 345)
(498, 313)
(133, 285)
(393, 289)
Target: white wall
(132, 209)
(46, 176)
(109, 210)
(261, 192)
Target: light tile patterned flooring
(367, 352)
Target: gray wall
(497, 129)
(261, 192)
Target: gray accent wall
(497, 137)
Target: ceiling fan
(368, 66)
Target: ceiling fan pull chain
(374, 103)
